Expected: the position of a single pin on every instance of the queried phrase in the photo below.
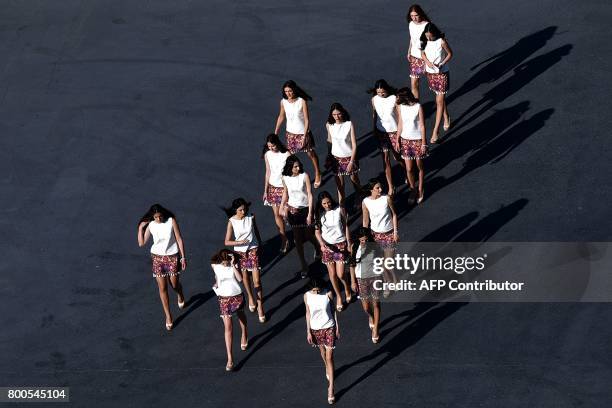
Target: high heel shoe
(169, 326)
(370, 323)
(284, 247)
(262, 319)
(229, 367)
(181, 305)
(252, 308)
(446, 127)
(375, 339)
(331, 400)
(420, 199)
(243, 346)
(339, 308)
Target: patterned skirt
(388, 141)
(384, 239)
(324, 337)
(165, 265)
(299, 142)
(249, 260)
(412, 149)
(274, 196)
(417, 67)
(335, 253)
(340, 165)
(297, 217)
(366, 288)
(439, 83)
(228, 305)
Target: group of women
(398, 124)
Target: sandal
(169, 326)
(181, 305)
(262, 319)
(229, 367)
(252, 308)
(243, 346)
(446, 127)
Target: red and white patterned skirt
(299, 142)
(228, 305)
(412, 149)
(417, 67)
(165, 265)
(274, 196)
(249, 260)
(335, 253)
(324, 337)
(438, 83)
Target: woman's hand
(395, 236)
(323, 247)
(309, 219)
(337, 333)
(354, 287)
(309, 337)
(243, 242)
(423, 148)
(183, 264)
(143, 225)
(264, 197)
(349, 168)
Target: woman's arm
(280, 119)
(283, 206)
(353, 148)
(309, 194)
(306, 116)
(400, 126)
(422, 127)
(373, 115)
(427, 61)
(394, 219)
(330, 295)
(237, 274)
(308, 334)
(179, 241)
(216, 285)
(267, 178)
(143, 233)
(365, 216)
(347, 231)
(228, 236)
(449, 53)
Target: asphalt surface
(110, 106)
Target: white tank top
(321, 316)
(416, 30)
(380, 214)
(296, 190)
(332, 228)
(243, 229)
(386, 120)
(227, 285)
(433, 50)
(295, 116)
(276, 162)
(340, 133)
(410, 122)
(364, 268)
(164, 242)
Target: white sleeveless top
(416, 30)
(295, 116)
(332, 228)
(164, 242)
(434, 50)
(410, 122)
(340, 133)
(227, 285)
(276, 162)
(296, 190)
(364, 268)
(380, 214)
(321, 316)
(386, 120)
(243, 229)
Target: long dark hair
(299, 92)
(223, 256)
(382, 84)
(237, 203)
(405, 97)
(316, 282)
(275, 140)
(319, 210)
(362, 232)
(337, 106)
(419, 10)
(156, 208)
(288, 169)
(433, 30)
(367, 189)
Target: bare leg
(409, 174)
(340, 274)
(446, 115)
(331, 269)
(414, 86)
(341, 194)
(322, 352)
(243, 327)
(162, 284)
(375, 317)
(246, 281)
(227, 323)
(421, 168)
(439, 111)
(356, 182)
(178, 288)
(280, 224)
(258, 292)
(329, 357)
(315, 163)
(365, 304)
(388, 175)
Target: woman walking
(161, 224)
(322, 329)
(275, 155)
(332, 232)
(417, 20)
(296, 206)
(363, 278)
(242, 226)
(231, 300)
(411, 127)
(385, 126)
(436, 53)
(294, 108)
(342, 149)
